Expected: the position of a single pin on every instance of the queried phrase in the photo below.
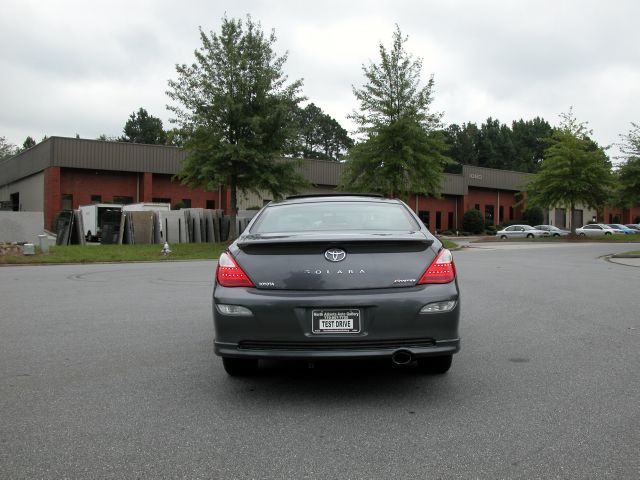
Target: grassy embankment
(126, 253)
(118, 253)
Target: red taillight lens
(441, 270)
(229, 274)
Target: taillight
(229, 274)
(441, 270)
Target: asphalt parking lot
(107, 371)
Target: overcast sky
(82, 67)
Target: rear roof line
(342, 194)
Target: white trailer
(147, 206)
(92, 218)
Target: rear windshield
(335, 216)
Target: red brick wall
(51, 195)
(485, 197)
(163, 187)
(82, 184)
(445, 205)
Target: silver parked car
(597, 229)
(553, 230)
(633, 226)
(521, 231)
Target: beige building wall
(251, 200)
(31, 190)
(561, 217)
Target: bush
(533, 216)
(472, 221)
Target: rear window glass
(335, 216)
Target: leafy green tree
(28, 143)
(495, 146)
(462, 142)
(402, 151)
(628, 174)
(235, 110)
(7, 149)
(144, 128)
(533, 215)
(630, 145)
(574, 170)
(472, 221)
(319, 135)
(529, 142)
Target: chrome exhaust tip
(401, 357)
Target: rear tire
(503, 237)
(240, 367)
(607, 233)
(435, 365)
(530, 235)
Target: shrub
(533, 216)
(472, 221)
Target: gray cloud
(76, 67)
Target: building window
(15, 201)
(510, 213)
(424, 216)
(161, 200)
(96, 198)
(488, 214)
(501, 213)
(66, 202)
(211, 204)
(124, 199)
(438, 220)
(450, 220)
(186, 202)
(477, 207)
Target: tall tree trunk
(233, 231)
(571, 225)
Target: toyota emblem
(335, 255)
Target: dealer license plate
(335, 321)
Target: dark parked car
(336, 277)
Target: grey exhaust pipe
(401, 357)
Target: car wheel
(435, 365)
(503, 237)
(607, 233)
(240, 367)
(530, 235)
(581, 234)
(556, 234)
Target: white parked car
(597, 229)
(521, 231)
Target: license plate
(335, 321)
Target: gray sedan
(521, 231)
(597, 229)
(553, 230)
(336, 277)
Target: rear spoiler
(333, 238)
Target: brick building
(63, 173)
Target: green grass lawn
(448, 243)
(128, 253)
(119, 253)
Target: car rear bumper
(281, 325)
(337, 351)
